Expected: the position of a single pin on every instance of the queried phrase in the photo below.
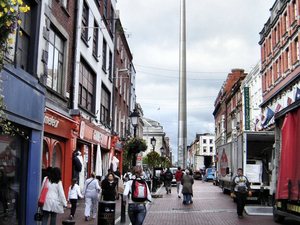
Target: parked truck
(251, 151)
(286, 158)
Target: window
(210, 141)
(24, 41)
(204, 141)
(55, 61)
(295, 10)
(296, 45)
(112, 19)
(110, 65)
(104, 49)
(204, 149)
(211, 149)
(95, 40)
(286, 22)
(105, 13)
(85, 22)
(105, 106)
(65, 3)
(87, 86)
(288, 54)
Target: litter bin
(68, 222)
(106, 213)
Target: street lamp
(153, 143)
(134, 116)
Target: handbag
(38, 216)
(43, 194)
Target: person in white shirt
(74, 193)
(137, 208)
(91, 191)
(55, 198)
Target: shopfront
(94, 144)
(60, 133)
(20, 153)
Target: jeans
(240, 202)
(46, 216)
(137, 213)
(91, 206)
(73, 206)
(187, 199)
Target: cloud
(221, 35)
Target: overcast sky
(221, 35)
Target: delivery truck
(251, 151)
(286, 161)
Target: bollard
(68, 222)
(123, 209)
(106, 213)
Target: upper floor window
(297, 49)
(95, 39)
(55, 61)
(204, 141)
(112, 19)
(295, 11)
(210, 141)
(104, 50)
(110, 65)
(87, 87)
(204, 149)
(105, 106)
(286, 22)
(24, 41)
(85, 21)
(65, 3)
(105, 11)
(211, 149)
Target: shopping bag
(43, 194)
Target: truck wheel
(277, 218)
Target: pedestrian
(77, 164)
(55, 199)
(178, 177)
(91, 191)
(187, 182)
(109, 187)
(240, 189)
(168, 175)
(74, 194)
(140, 194)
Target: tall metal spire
(182, 129)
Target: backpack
(139, 191)
(169, 176)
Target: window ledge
(66, 11)
(85, 41)
(96, 57)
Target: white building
(205, 151)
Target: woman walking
(109, 187)
(55, 199)
(74, 193)
(187, 182)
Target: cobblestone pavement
(210, 207)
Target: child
(74, 193)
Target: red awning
(289, 172)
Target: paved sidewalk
(210, 207)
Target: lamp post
(134, 116)
(153, 143)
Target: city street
(210, 206)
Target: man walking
(240, 188)
(168, 180)
(178, 177)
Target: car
(197, 175)
(209, 174)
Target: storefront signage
(247, 108)
(96, 136)
(51, 121)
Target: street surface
(210, 207)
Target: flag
(269, 116)
(289, 101)
(297, 96)
(278, 107)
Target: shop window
(55, 63)
(56, 156)
(13, 164)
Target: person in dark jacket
(109, 187)
(240, 188)
(187, 182)
(168, 175)
(77, 165)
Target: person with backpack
(240, 188)
(140, 194)
(74, 194)
(168, 179)
(178, 177)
